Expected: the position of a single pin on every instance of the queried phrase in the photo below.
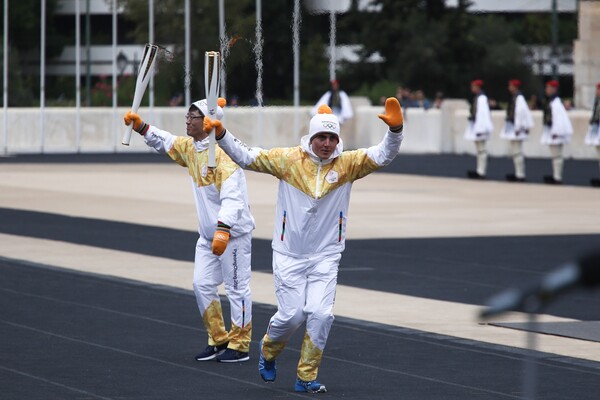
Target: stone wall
(586, 54)
(426, 131)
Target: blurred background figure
(438, 99)
(176, 100)
(234, 101)
(493, 103)
(337, 100)
(421, 101)
(404, 96)
(516, 128)
(557, 130)
(479, 127)
(534, 102)
(593, 136)
(568, 103)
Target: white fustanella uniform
(480, 125)
(309, 234)
(479, 129)
(220, 195)
(559, 129)
(516, 129)
(592, 138)
(557, 132)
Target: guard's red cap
(477, 82)
(515, 82)
(553, 83)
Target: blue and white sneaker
(309, 386)
(266, 369)
(211, 352)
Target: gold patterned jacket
(219, 193)
(313, 194)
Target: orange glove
(138, 125)
(209, 124)
(221, 238)
(393, 115)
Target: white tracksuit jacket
(219, 196)
(313, 194)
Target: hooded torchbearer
(315, 179)
(225, 224)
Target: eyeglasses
(189, 117)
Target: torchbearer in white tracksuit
(315, 180)
(557, 130)
(516, 129)
(225, 229)
(479, 128)
(593, 136)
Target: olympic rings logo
(329, 125)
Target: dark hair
(194, 108)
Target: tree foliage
(240, 63)
(24, 38)
(425, 44)
(434, 48)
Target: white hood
(305, 144)
(202, 105)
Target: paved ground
(95, 299)
(576, 172)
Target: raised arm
(384, 152)
(252, 158)
(161, 141)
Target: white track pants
(233, 270)
(305, 290)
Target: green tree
(240, 63)
(429, 46)
(24, 42)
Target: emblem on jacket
(331, 177)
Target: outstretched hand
(393, 115)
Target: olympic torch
(211, 85)
(143, 77)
